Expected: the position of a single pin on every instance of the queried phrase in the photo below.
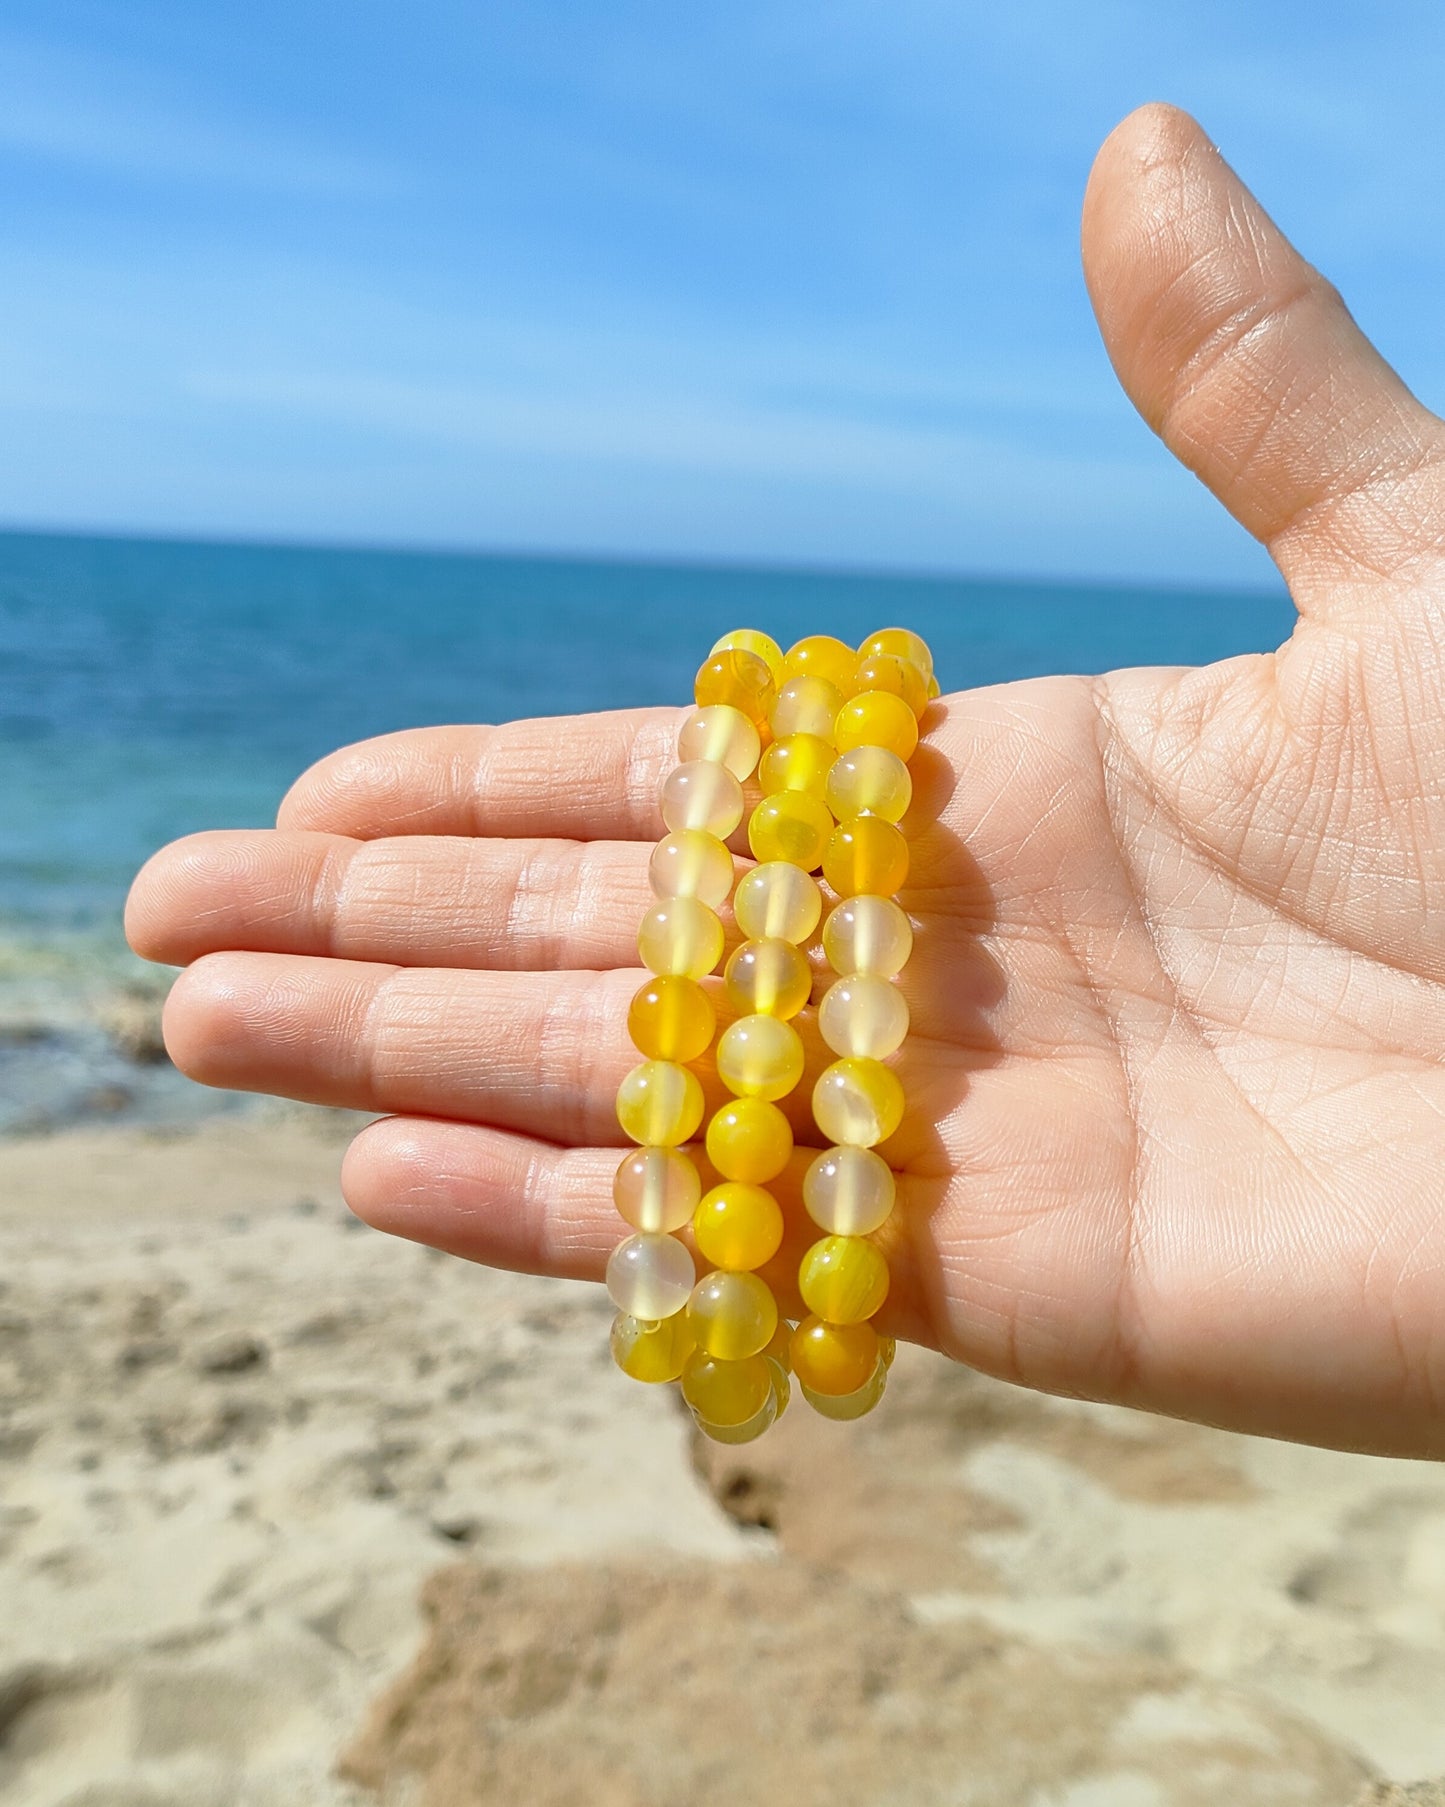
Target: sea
(152, 687)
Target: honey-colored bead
(701, 794)
(671, 1019)
(863, 1014)
(794, 825)
(866, 854)
(776, 899)
(869, 781)
(858, 1102)
(724, 1392)
(738, 1227)
(848, 1191)
(833, 1359)
(876, 719)
(759, 1057)
(738, 678)
(844, 1407)
(902, 643)
(691, 863)
(749, 640)
(843, 1279)
(680, 936)
(747, 1432)
(806, 705)
(660, 1105)
(650, 1277)
(723, 735)
(732, 1315)
(885, 671)
(821, 656)
(868, 935)
(768, 978)
(749, 1139)
(802, 762)
(656, 1189)
(649, 1351)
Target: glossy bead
(738, 1227)
(876, 719)
(759, 1057)
(806, 705)
(845, 1407)
(863, 1014)
(779, 1350)
(866, 854)
(858, 1102)
(732, 1316)
(776, 899)
(869, 781)
(724, 735)
(660, 1105)
(682, 936)
(843, 1279)
(802, 762)
(650, 1277)
(935, 689)
(832, 1358)
(652, 1351)
(738, 678)
(848, 1191)
(749, 1139)
(701, 794)
(767, 978)
(749, 640)
(903, 643)
(821, 656)
(671, 1019)
(691, 863)
(656, 1189)
(885, 671)
(747, 1432)
(868, 935)
(794, 825)
(724, 1392)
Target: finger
(1247, 363)
(422, 900)
(586, 777)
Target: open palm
(1177, 1124)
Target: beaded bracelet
(840, 726)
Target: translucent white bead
(869, 781)
(700, 794)
(657, 1189)
(868, 934)
(722, 734)
(863, 1014)
(650, 1277)
(848, 1191)
(691, 863)
(777, 899)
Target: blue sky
(767, 280)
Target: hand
(1177, 1103)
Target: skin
(1177, 1103)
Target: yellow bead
(885, 671)
(794, 826)
(768, 978)
(780, 1350)
(660, 1105)
(724, 1392)
(776, 899)
(681, 936)
(845, 1407)
(749, 1139)
(858, 1102)
(843, 1279)
(700, 794)
(868, 935)
(691, 863)
(650, 1277)
(935, 689)
(833, 1359)
(725, 736)
(806, 705)
(903, 643)
(866, 854)
(862, 1014)
(671, 1019)
(876, 719)
(802, 762)
(652, 1351)
(758, 1057)
(656, 1189)
(739, 679)
(732, 1316)
(747, 1432)
(738, 1227)
(869, 781)
(821, 656)
(749, 640)
(848, 1191)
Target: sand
(292, 1515)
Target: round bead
(858, 1102)
(691, 863)
(747, 1432)
(738, 1226)
(862, 1014)
(776, 899)
(700, 794)
(750, 1140)
(876, 719)
(732, 1316)
(659, 1104)
(868, 935)
(866, 854)
(652, 1351)
(749, 640)
(656, 1189)
(724, 735)
(821, 656)
(935, 689)
(680, 936)
(869, 781)
(738, 678)
(806, 705)
(848, 1191)
(767, 978)
(845, 1407)
(758, 1057)
(799, 763)
(902, 643)
(723, 1392)
(671, 1019)
(843, 1279)
(794, 825)
(832, 1359)
(885, 671)
(650, 1277)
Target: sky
(777, 280)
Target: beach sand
(295, 1515)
